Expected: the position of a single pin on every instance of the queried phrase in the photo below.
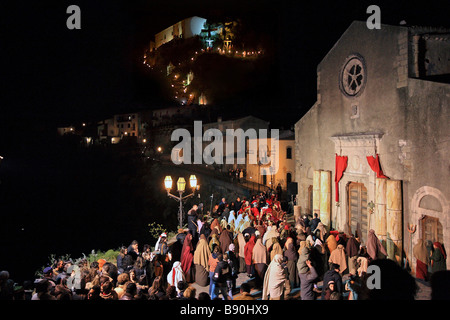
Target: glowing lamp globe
(181, 184)
(193, 181)
(168, 182)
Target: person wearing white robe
(175, 275)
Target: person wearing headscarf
(175, 275)
(331, 243)
(177, 246)
(291, 257)
(362, 261)
(422, 259)
(244, 224)
(237, 221)
(310, 239)
(352, 250)
(374, 247)
(270, 233)
(215, 224)
(214, 241)
(338, 257)
(231, 218)
(274, 280)
(304, 252)
(187, 255)
(318, 257)
(248, 252)
(225, 239)
(320, 231)
(259, 260)
(241, 254)
(275, 248)
(329, 289)
(438, 258)
(201, 258)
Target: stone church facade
(373, 152)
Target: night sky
(52, 76)
(57, 74)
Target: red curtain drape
(374, 164)
(341, 165)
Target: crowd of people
(251, 237)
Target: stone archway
(417, 213)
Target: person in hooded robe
(215, 224)
(177, 247)
(201, 259)
(259, 259)
(244, 224)
(175, 275)
(422, 260)
(214, 240)
(291, 257)
(331, 243)
(304, 255)
(206, 230)
(274, 280)
(231, 218)
(275, 248)
(362, 261)
(438, 258)
(352, 250)
(270, 233)
(238, 220)
(187, 256)
(318, 257)
(310, 239)
(339, 257)
(375, 249)
(225, 239)
(241, 252)
(248, 252)
(320, 232)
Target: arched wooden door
(357, 210)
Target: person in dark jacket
(314, 222)
(133, 250)
(307, 281)
(192, 216)
(222, 274)
(332, 275)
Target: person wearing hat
(48, 275)
(161, 246)
(329, 290)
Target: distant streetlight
(181, 188)
(159, 149)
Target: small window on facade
(288, 153)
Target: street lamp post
(181, 187)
